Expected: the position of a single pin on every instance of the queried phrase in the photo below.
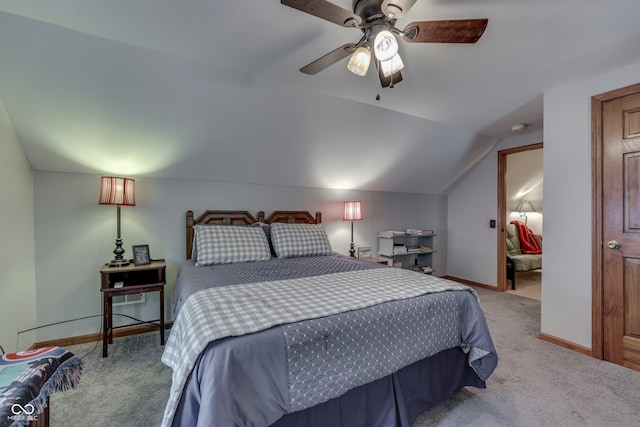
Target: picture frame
(141, 255)
(365, 252)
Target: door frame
(502, 209)
(597, 253)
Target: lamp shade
(117, 191)
(385, 45)
(525, 206)
(391, 66)
(352, 211)
(359, 62)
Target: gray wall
(17, 268)
(566, 258)
(472, 203)
(74, 235)
(566, 292)
(523, 181)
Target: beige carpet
(535, 384)
(528, 285)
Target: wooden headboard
(298, 217)
(245, 218)
(216, 217)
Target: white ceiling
(210, 90)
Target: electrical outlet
(492, 223)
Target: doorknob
(613, 244)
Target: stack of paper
(399, 249)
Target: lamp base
(119, 260)
(352, 251)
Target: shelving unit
(407, 250)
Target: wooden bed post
(189, 234)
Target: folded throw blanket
(27, 378)
(529, 242)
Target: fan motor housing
(368, 9)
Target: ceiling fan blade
(388, 81)
(329, 59)
(325, 10)
(457, 31)
(396, 7)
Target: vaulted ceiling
(210, 90)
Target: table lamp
(120, 192)
(352, 212)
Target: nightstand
(135, 280)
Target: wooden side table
(135, 280)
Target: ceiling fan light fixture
(360, 60)
(385, 45)
(392, 66)
(376, 19)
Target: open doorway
(519, 199)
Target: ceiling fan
(377, 19)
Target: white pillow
(228, 244)
(298, 240)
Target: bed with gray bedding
(316, 339)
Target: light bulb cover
(392, 65)
(360, 60)
(385, 45)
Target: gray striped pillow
(298, 240)
(228, 244)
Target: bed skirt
(395, 400)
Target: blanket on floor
(27, 378)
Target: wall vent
(128, 299)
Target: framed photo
(364, 252)
(141, 255)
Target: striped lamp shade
(352, 211)
(117, 191)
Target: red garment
(529, 242)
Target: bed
(273, 328)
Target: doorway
(504, 208)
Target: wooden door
(621, 230)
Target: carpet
(535, 384)
(528, 285)
(128, 388)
